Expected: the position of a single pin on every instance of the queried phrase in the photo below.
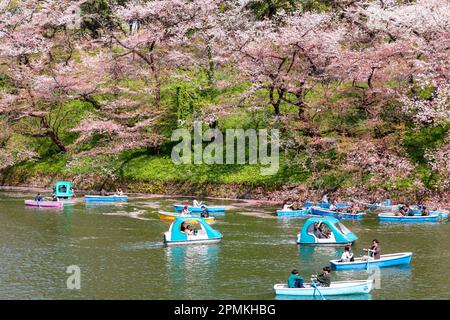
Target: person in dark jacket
(324, 279)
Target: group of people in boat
(187, 229)
(321, 231)
(405, 210)
(204, 214)
(295, 280)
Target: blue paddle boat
(204, 233)
(386, 260)
(389, 217)
(113, 198)
(336, 235)
(325, 205)
(211, 209)
(63, 190)
(293, 213)
(340, 215)
(336, 288)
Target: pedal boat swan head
(204, 234)
(336, 233)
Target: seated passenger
(185, 211)
(205, 213)
(324, 278)
(402, 211)
(347, 256)
(38, 198)
(325, 198)
(183, 227)
(333, 206)
(287, 207)
(295, 280)
(425, 211)
(319, 232)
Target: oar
(368, 259)
(315, 288)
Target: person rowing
(323, 279)
(375, 251)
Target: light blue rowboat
(336, 288)
(211, 209)
(386, 260)
(389, 217)
(325, 205)
(293, 213)
(335, 214)
(113, 198)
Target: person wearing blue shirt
(38, 197)
(295, 280)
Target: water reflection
(191, 269)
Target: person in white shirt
(347, 256)
(287, 207)
(325, 198)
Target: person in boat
(205, 213)
(347, 256)
(325, 198)
(73, 192)
(333, 206)
(324, 279)
(185, 211)
(375, 251)
(38, 198)
(287, 207)
(295, 280)
(425, 211)
(403, 210)
(119, 192)
(195, 203)
(319, 232)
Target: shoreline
(31, 189)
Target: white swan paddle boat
(386, 260)
(204, 235)
(336, 288)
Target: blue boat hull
(211, 210)
(402, 259)
(339, 215)
(410, 219)
(293, 213)
(325, 205)
(105, 198)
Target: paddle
(313, 284)
(368, 258)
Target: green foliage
(417, 140)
